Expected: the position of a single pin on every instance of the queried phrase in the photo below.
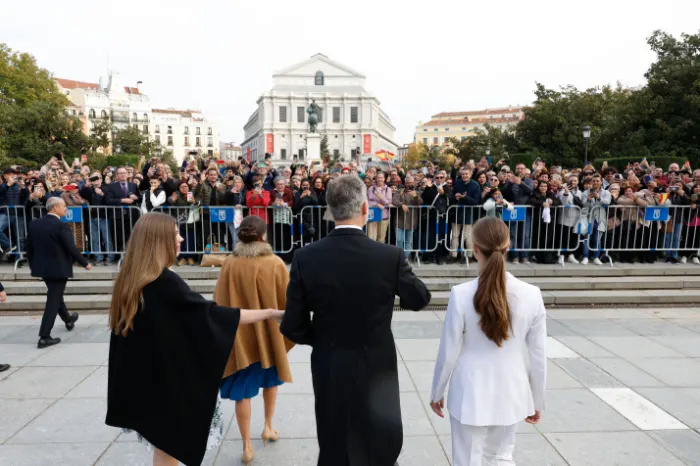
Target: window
(425, 141)
(92, 113)
(447, 129)
(301, 111)
(209, 131)
(198, 141)
(336, 114)
(186, 130)
(145, 117)
(425, 129)
(170, 140)
(157, 128)
(353, 114)
(301, 154)
(464, 128)
(210, 153)
(156, 138)
(320, 114)
(283, 154)
(435, 141)
(336, 153)
(446, 140)
(103, 115)
(75, 112)
(187, 140)
(464, 138)
(197, 131)
(136, 126)
(283, 114)
(210, 141)
(318, 79)
(134, 116)
(435, 129)
(170, 129)
(145, 129)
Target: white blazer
(492, 386)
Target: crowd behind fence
(556, 234)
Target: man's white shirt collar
(338, 227)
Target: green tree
(100, 135)
(33, 120)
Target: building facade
(126, 106)
(184, 132)
(351, 118)
(461, 125)
(230, 151)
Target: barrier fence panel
(641, 232)
(13, 228)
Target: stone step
(81, 287)
(7, 273)
(562, 298)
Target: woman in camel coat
(254, 275)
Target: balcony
(120, 118)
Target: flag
(663, 197)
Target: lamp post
(586, 136)
(488, 154)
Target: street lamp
(586, 136)
(488, 154)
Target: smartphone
(425, 171)
(487, 185)
(189, 196)
(94, 178)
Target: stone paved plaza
(623, 389)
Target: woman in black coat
(543, 229)
(168, 349)
(305, 201)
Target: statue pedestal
(313, 147)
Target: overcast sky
(420, 57)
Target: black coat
(349, 283)
(51, 249)
(164, 376)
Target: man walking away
(51, 251)
(353, 362)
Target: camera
(94, 178)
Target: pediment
(318, 62)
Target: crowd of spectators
(415, 209)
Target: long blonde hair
(151, 249)
(492, 237)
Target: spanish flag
(663, 197)
(384, 155)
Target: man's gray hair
(280, 178)
(52, 202)
(345, 197)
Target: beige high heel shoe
(271, 436)
(247, 457)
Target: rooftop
(487, 111)
(470, 121)
(72, 84)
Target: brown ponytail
(492, 237)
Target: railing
(621, 231)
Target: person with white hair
(51, 251)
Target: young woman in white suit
(491, 323)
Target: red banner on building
(367, 144)
(247, 154)
(269, 143)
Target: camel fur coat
(253, 277)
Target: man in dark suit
(349, 283)
(121, 193)
(51, 251)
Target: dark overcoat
(348, 283)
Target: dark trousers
(54, 305)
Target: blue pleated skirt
(247, 382)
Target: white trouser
(482, 446)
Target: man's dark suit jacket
(114, 195)
(349, 283)
(51, 249)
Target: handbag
(193, 215)
(213, 248)
(213, 260)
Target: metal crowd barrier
(633, 231)
(103, 231)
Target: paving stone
(19, 354)
(420, 451)
(299, 353)
(557, 378)
(681, 403)
(43, 382)
(95, 386)
(688, 346)
(598, 328)
(418, 349)
(285, 452)
(611, 449)
(410, 316)
(587, 373)
(56, 454)
(557, 329)
(676, 372)
(126, 453)
(531, 449)
(655, 327)
(638, 347)
(74, 354)
(626, 372)
(70, 421)
(15, 414)
(7, 331)
(579, 410)
(585, 347)
(415, 330)
(294, 417)
(685, 444)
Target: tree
(100, 135)
(324, 148)
(33, 121)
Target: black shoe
(4, 367)
(71, 322)
(46, 342)
(427, 260)
(463, 260)
(439, 261)
(451, 260)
